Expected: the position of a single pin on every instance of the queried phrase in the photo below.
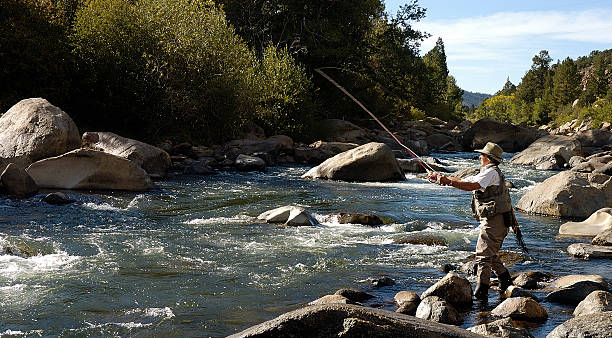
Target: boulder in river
(572, 289)
(521, 308)
(595, 302)
(153, 160)
(57, 198)
(511, 138)
(500, 328)
(569, 194)
(531, 279)
(453, 288)
(438, 310)
(289, 215)
(17, 182)
(345, 320)
(354, 295)
(406, 297)
(89, 169)
(372, 162)
(604, 238)
(331, 299)
(597, 222)
(319, 151)
(588, 251)
(594, 325)
(357, 218)
(36, 129)
(551, 148)
(249, 163)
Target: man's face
(484, 160)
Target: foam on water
(238, 219)
(102, 207)
(11, 265)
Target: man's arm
(454, 182)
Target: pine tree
(597, 83)
(435, 61)
(565, 83)
(533, 83)
(509, 88)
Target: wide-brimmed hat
(596, 223)
(493, 150)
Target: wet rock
(515, 291)
(89, 169)
(331, 299)
(531, 279)
(357, 218)
(289, 215)
(500, 328)
(438, 310)
(595, 325)
(383, 281)
(408, 308)
(551, 150)
(572, 289)
(249, 163)
(57, 198)
(569, 194)
(595, 302)
(406, 297)
(454, 288)
(604, 238)
(153, 160)
(597, 222)
(340, 320)
(36, 129)
(589, 251)
(17, 182)
(521, 308)
(355, 296)
(422, 239)
(370, 162)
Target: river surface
(191, 259)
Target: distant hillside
(470, 98)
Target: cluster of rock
(437, 311)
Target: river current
(191, 259)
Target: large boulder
(453, 288)
(588, 251)
(594, 138)
(551, 148)
(597, 222)
(438, 310)
(153, 160)
(366, 163)
(89, 169)
(595, 302)
(573, 289)
(36, 129)
(17, 182)
(521, 308)
(569, 194)
(594, 325)
(249, 163)
(344, 320)
(509, 137)
(319, 151)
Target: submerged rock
(343, 320)
(57, 198)
(422, 239)
(370, 162)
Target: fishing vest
(495, 199)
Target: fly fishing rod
(423, 164)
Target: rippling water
(190, 258)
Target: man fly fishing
(492, 206)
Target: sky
(487, 42)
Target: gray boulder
(153, 160)
(509, 137)
(588, 251)
(573, 289)
(249, 163)
(595, 302)
(521, 308)
(595, 325)
(438, 310)
(36, 129)
(406, 297)
(331, 299)
(89, 169)
(367, 163)
(354, 295)
(343, 320)
(569, 194)
(319, 151)
(17, 182)
(288, 215)
(550, 149)
(453, 288)
(503, 328)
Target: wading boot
(504, 281)
(481, 292)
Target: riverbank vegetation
(203, 70)
(556, 93)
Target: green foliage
(565, 83)
(508, 89)
(437, 70)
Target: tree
(453, 96)
(508, 89)
(533, 83)
(597, 83)
(437, 70)
(565, 83)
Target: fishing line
(423, 164)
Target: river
(190, 258)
